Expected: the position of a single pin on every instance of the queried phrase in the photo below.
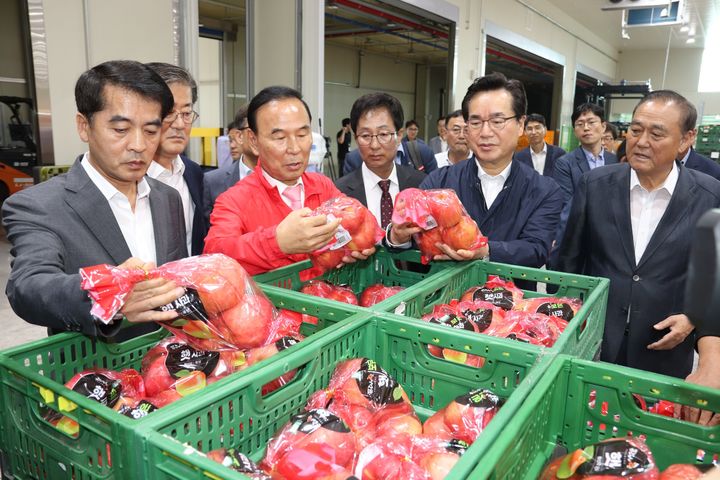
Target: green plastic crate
(246, 420)
(583, 335)
(106, 446)
(383, 267)
(558, 412)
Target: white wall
(683, 74)
(208, 80)
(117, 30)
(235, 69)
(275, 43)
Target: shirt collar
(685, 158)
(155, 169)
(371, 179)
(244, 169)
(504, 174)
(277, 183)
(593, 158)
(107, 189)
(544, 149)
(669, 183)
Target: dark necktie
(386, 206)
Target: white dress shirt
(492, 185)
(136, 226)
(244, 169)
(281, 187)
(443, 145)
(174, 178)
(442, 158)
(538, 159)
(647, 208)
(373, 192)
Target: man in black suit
(633, 224)
(539, 155)
(691, 159)
(375, 119)
(169, 165)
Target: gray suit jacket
(436, 144)
(66, 223)
(216, 182)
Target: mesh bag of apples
(442, 218)
(363, 425)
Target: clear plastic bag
(375, 294)
(465, 417)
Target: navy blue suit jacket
(599, 242)
(193, 176)
(521, 221)
(353, 159)
(703, 164)
(553, 153)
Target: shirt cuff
(403, 246)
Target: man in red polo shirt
(263, 221)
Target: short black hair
(373, 101)
(441, 118)
(241, 116)
(584, 108)
(410, 123)
(668, 96)
(455, 114)
(345, 122)
(535, 117)
(267, 95)
(125, 74)
(614, 131)
(173, 74)
(497, 81)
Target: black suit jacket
(553, 153)
(193, 176)
(703, 164)
(352, 183)
(599, 242)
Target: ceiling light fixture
(684, 28)
(625, 34)
(690, 40)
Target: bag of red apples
(358, 231)
(442, 217)
(222, 308)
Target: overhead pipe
(393, 18)
(383, 30)
(519, 61)
(350, 33)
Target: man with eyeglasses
(104, 210)
(375, 118)
(244, 162)
(264, 221)
(169, 165)
(514, 206)
(539, 154)
(455, 133)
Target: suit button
(636, 278)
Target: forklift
(18, 153)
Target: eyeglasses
(383, 138)
(495, 123)
(187, 117)
(588, 124)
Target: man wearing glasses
(455, 135)
(375, 119)
(169, 165)
(514, 206)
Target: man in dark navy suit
(375, 118)
(169, 165)
(633, 223)
(691, 159)
(539, 155)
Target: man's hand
(680, 327)
(301, 233)
(402, 233)
(148, 295)
(461, 255)
(706, 375)
(355, 256)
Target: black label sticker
(285, 342)
(561, 310)
(240, 462)
(187, 306)
(458, 447)
(617, 458)
(480, 398)
(498, 296)
(376, 384)
(308, 422)
(481, 317)
(139, 411)
(182, 359)
(100, 388)
(514, 336)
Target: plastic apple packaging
(464, 418)
(259, 354)
(533, 328)
(175, 364)
(358, 231)
(375, 294)
(412, 207)
(565, 308)
(313, 444)
(323, 289)
(447, 316)
(239, 462)
(627, 458)
(687, 472)
(499, 292)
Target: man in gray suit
(104, 210)
(217, 181)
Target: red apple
(468, 415)
(435, 426)
(249, 322)
(463, 235)
(445, 207)
(164, 398)
(238, 462)
(365, 236)
(438, 465)
(344, 294)
(222, 285)
(329, 259)
(427, 241)
(377, 293)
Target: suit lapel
(676, 211)
(192, 185)
(582, 160)
(234, 173)
(357, 185)
(91, 206)
(160, 209)
(620, 204)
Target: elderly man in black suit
(691, 159)
(539, 154)
(375, 118)
(633, 224)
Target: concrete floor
(17, 331)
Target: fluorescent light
(690, 40)
(684, 28)
(664, 13)
(625, 34)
